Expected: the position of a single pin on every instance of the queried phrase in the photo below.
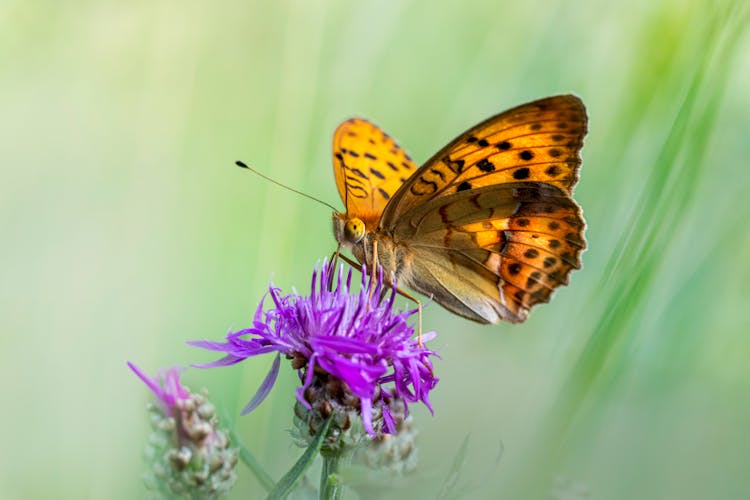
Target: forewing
(535, 142)
(369, 167)
(508, 246)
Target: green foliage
(288, 482)
(127, 230)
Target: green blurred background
(126, 230)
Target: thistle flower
(190, 456)
(166, 387)
(354, 354)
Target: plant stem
(330, 484)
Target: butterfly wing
(492, 253)
(487, 224)
(536, 142)
(369, 167)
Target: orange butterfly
(487, 226)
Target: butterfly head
(348, 230)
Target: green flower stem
(331, 487)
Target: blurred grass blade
(640, 257)
(252, 463)
(287, 483)
(448, 488)
(661, 213)
(248, 458)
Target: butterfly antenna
(243, 165)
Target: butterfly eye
(354, 230)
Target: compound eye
(354, 230)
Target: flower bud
(190, 456)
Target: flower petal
(225, 361)
(388, 422)
(367, 416)
(353, 336)
(265, 387)
(151, 383)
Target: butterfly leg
(409, 296)
(349, 261)
(334, 258)
(400, 291)
(374, 267)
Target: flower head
(190, 456)
(353, 340)
(166, 386)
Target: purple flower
(166, 386)
(355, 338)
(192, 457)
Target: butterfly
(487, 227)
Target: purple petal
(166, 386)
(265, 387)
(225, 361)
(208, 344)
(366, 410)
(172, 384)
(151, 383)
(308, 380)
(426, 337)
(355, 337)
(344, 345)
(348, 279)
(390, 424)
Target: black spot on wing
(438, 173)
(423, 187)
(358, 173)
(357, 191)
(485, 165)
(521, 173)
(377, 173)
